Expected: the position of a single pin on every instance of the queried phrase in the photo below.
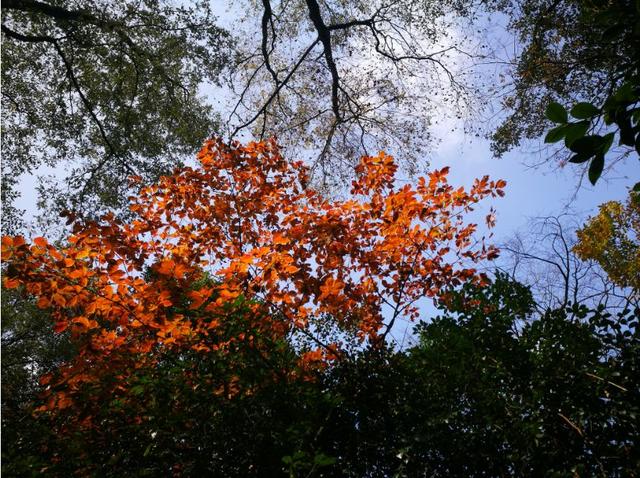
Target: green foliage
(621, 110)
(584, 110)
(104, 90)
(491, 389)
(556, 113)
(29, 349)
(233, 412)
(580, 53)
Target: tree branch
(266, 21)
(54, 11)
(277, 89)
(27, 38)
(324, 35)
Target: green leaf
(586, 144)
(137, 390)
(626, 93)
(607, 141)
(609, 117)
(323, 460)
(556, 113)
(580, 158)
(556, 134)
(575, 131)
(584, 110)
(626, 131)
(595, 168)
(613, 31)
(148, 449)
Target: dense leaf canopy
(102, 90)
(233, 319)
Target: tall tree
(104, 90)
(552, 262)
(342, 79)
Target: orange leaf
(59, 299)
(164, 298)
(11, 283)
(78, 273)
(40, 242)
(165, 267)
(43, 302)
(83, 321)
(82, 254)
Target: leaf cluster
(575, 52)
(102, 90)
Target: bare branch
(277, 89)
(267, 20)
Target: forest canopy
(242, 261)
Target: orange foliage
(245, 216)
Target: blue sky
(545, 190)
(531, 192)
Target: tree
(238, 253)
(493, 389)
(188, 414)
(582, 54)
(506, 391)
(343, 79)
(545, 257)
(106, 90)
(29, 349)
(611, 239)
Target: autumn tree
(545, 257)
(242, 235)
(350, 78)
(102, 90)
(611, 238)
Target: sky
(547, 189)
(531, 192)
